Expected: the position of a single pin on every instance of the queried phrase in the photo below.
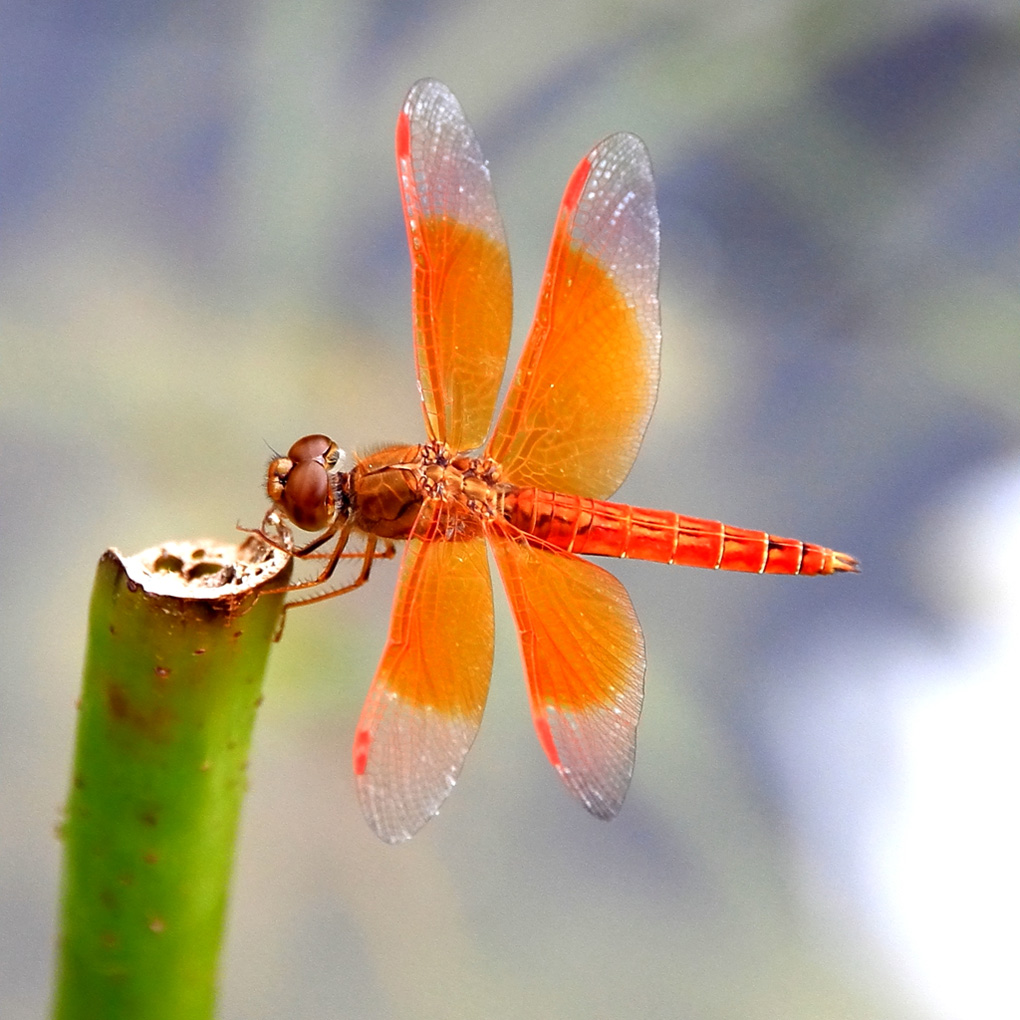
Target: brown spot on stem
(153, 723)
(117, 701)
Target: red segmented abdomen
(595, 527)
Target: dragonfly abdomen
(595, 527)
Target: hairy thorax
(386, 490)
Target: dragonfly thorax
(386, 489)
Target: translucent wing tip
(425, 92)
(392, 820)
(399, 790)
(603, 803)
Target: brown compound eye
(307, 496)
(300, 485)
(316, 448)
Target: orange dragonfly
(534, 492)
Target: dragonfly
(534, 490)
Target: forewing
(460, 268)
(427, 698)
(586, 383)
(584, 661)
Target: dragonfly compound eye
(318, 447)
(307, 496)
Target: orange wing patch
(586, 383)
(426, 701)
(461, 288)
(462, 294)
(584, 660)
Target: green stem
(177, 647)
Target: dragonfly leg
(334, 558)
(368, 555)
(310, 551)
(274, 532)
(387, 552)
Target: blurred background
(203, 258)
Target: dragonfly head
(303, 485)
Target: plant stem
(177, 646)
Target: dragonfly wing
(584, 661)
(460, 267)
(427, 698)
(586, 383)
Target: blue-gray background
(202, 253)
